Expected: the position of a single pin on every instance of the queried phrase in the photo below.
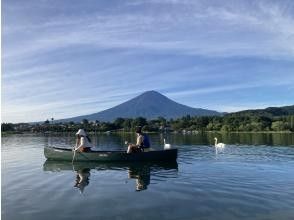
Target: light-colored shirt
(140, 139)
(83, 143)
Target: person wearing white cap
(83, 143)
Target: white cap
(81, 132)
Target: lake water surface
(252, 178)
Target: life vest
(146, 141)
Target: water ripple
(239, 182)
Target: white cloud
(207, 31)
(216, 89)
(162, 29)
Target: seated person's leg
(129, 149)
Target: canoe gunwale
(94, 151)
(66, 154)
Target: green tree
(225, 128)
(256, 126)
(140, 121)
(85, 122)
(7, 127)
(280, 126)
(210, 126)
(119, 123)
(162, 121)
(127, 124)
(291, 122)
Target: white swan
(166, 146)
(218, 145)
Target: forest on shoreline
(187, 124)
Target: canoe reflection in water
(141, 171)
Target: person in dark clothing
(142, 144)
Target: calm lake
(252, 178)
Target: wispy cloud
(61, 55)
(232, 87)
(260, 30)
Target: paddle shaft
(74, 154)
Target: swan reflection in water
(141, 172)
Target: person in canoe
(142, 144)
(83, 142)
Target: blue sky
(65, 58)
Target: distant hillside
(149, 105)
(268, 112)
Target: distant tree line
(246, 122)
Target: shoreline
(131, 132)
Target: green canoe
(54, 153)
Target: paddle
(83, 155)
(74, 154)
(127, 143)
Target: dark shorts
(86, 149)
(136, 150)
